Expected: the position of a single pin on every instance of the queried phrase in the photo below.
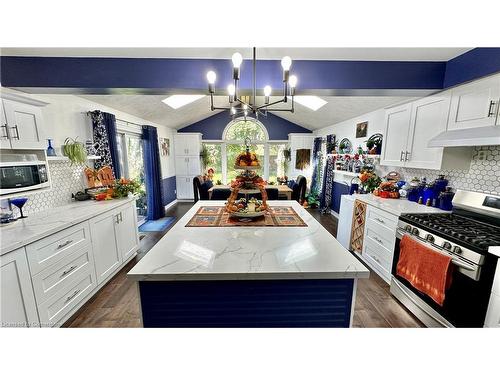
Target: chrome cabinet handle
(6, 136)
(75, 293)
(68, 271)
(378, 240)
(60, 246)
(406, 156)
(380, 220)
(491, 112)
(17, 132)
(117, 218)
(121, 217)
(401, 156)
(376, 259)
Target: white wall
(65, 116)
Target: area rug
(159, 225)
(218, 217)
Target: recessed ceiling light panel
(310, 101)
(178, 101)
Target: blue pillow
(207, 185)
(291, 184)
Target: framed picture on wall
(165, 146)
(361, 129)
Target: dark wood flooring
(117, 303)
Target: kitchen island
(246, 276)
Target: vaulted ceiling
(151, 108)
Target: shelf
(65, 158)
(346, 173)
(369, 156)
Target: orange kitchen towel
(427, 270)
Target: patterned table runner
(212, 216)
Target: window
(221, 155)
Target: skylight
(178, 101)
(310, 101)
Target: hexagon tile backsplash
(66, 179)
(483, 175)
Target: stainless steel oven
(466, 237)
(16, 177)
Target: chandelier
(243, 105)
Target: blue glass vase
(50, 149)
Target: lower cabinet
(379, 240)
(184, 186)
(114, 240)
(17, 300)
(47, 281)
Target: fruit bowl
(247, 215)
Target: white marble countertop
(42, 224)
(235, 253)
(397, 206)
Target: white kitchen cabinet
(127, 237)
(410, 127)
(24, 126)
(114, 239)
(107, 257)
(475, 104)
(184, 186)
(187, 144)
(18, 307)
(345, 220)
(397, 127)
(4, 135)
(187, 163)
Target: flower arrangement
(124, 186)
(370, 181)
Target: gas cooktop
(468, 232)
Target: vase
(50, 149)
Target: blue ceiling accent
(167, 75)
(190, 74)
(473, 64)
(212, 127)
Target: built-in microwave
(16, 177)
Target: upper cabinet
(22, 126)
(187, 144)
(475, 104)
(409, 128)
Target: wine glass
(19, 203)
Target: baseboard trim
(171, 204)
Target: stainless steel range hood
(483, 136)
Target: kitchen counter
(42, 224)
(396, 206)
(236, 253)
(248, 276)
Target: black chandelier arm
(270, 104)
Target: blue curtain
(152, 171)
(316, 175)
(105, 145)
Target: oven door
(18, 178)
(465, 303)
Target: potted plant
(75, 151)
(205, 157)
(312, 200)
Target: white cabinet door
(17, 300)
(4, 130)
(184, 187)
(193, 166)
(180, 145)
(181, 165)
(475, 104)
(397, 126)
(25, 125)
(107, 257)
(127, 237)
(428, 118)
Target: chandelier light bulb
(286, 63)
(245, 107)
(231, 89)
(267, 90)
(237, 59)
(233, 110)
(292, 81)
(211, 76)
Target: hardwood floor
(117, 303)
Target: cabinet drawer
(379, 253)
(48, 251)
(383, 218)
(373, 262)
(54, 309)
(62, 274)
(381, 235)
